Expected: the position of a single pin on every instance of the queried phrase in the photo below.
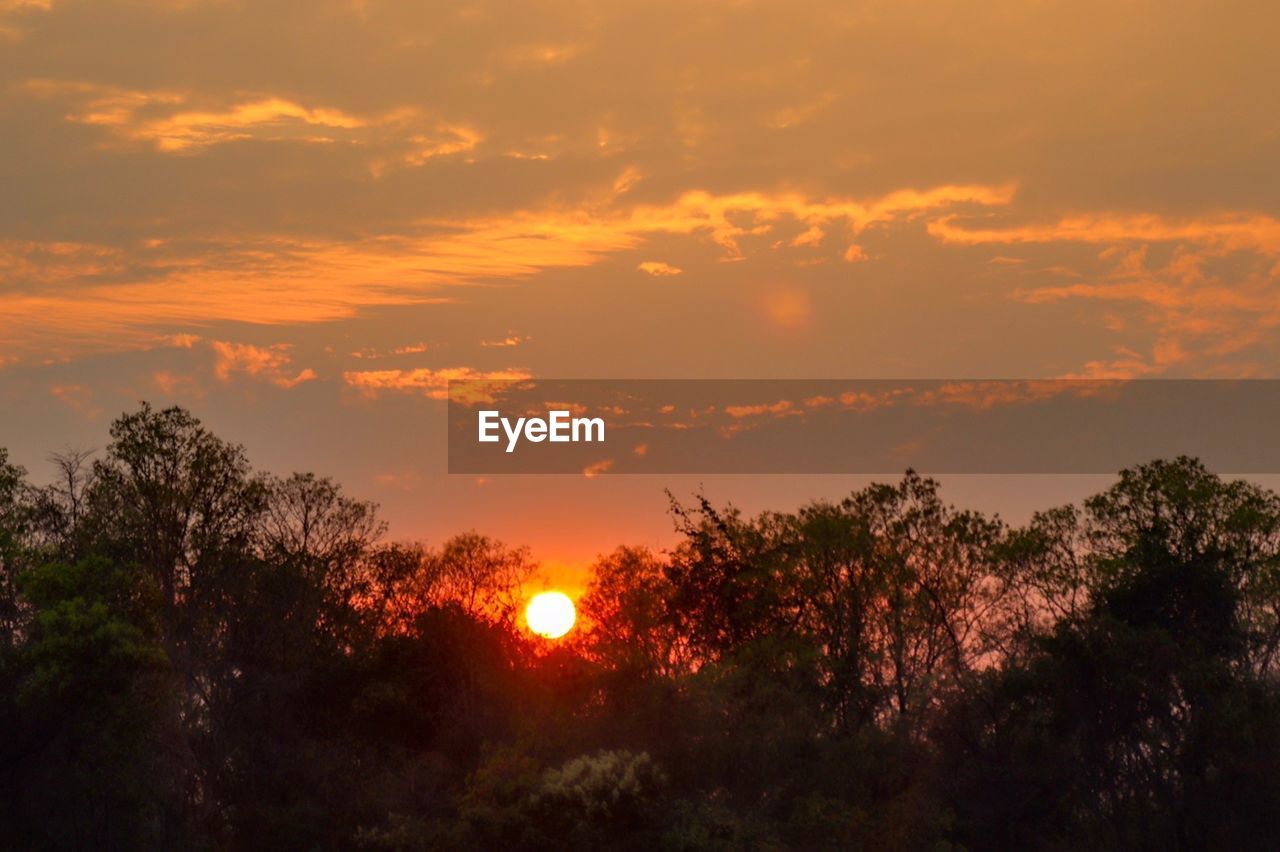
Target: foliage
(196, 655)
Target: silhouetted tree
(197, 655)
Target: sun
(550, 614)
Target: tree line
(195, 655)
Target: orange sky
(300, 219)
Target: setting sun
(550, 614)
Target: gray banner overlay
(880, 426)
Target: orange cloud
(1195, 317)
(182, 341)
(432, 383)
(444, 139)
(34, 262)
(170, 383)
(731, 218)
(264, 118)
(268, 363)
(172, 123)
(1228, 231)
(77, 397)
(1131, 365)
(591, 471)
(120, 296)
(984, 396)
(575, 408)
(658, 269)
(782, 407)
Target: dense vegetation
(193, 655)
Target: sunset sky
(300, 220)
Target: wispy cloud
(591, 471)
(1235, 231)
(181, 122)
(78, 397)
(431, 383)
(90, 295)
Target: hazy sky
(300, 219)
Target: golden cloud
(78, 295)
(658, 269)
(269, 363)
(1195, 316)
(1233, 232)
(434, 384)
(172, 122)
(781, 407)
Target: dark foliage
(193, 656)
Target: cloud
(505, 342)
(658, 269)
(16, 11)
(181, 341)
(85, 295)
(1132, 365)
(1210, 293)
(180, 122)
(730, 219)
(371, 354)
(269, 363)
(1231, 231)
(77, 397)
(433, 384)
(779, 408)
(985, 396)
(171, 383)
(397, 151)
(34, 262)
(591, 471)
(577, 409)
(1196, 317)
(444, 139)
(267, 118)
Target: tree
(14, 529)
(626, 625)
(481, 576)
(904, 598)
(59, 508)
(88, 759)
(320, 537)
(174, 498)
(1129, 721)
